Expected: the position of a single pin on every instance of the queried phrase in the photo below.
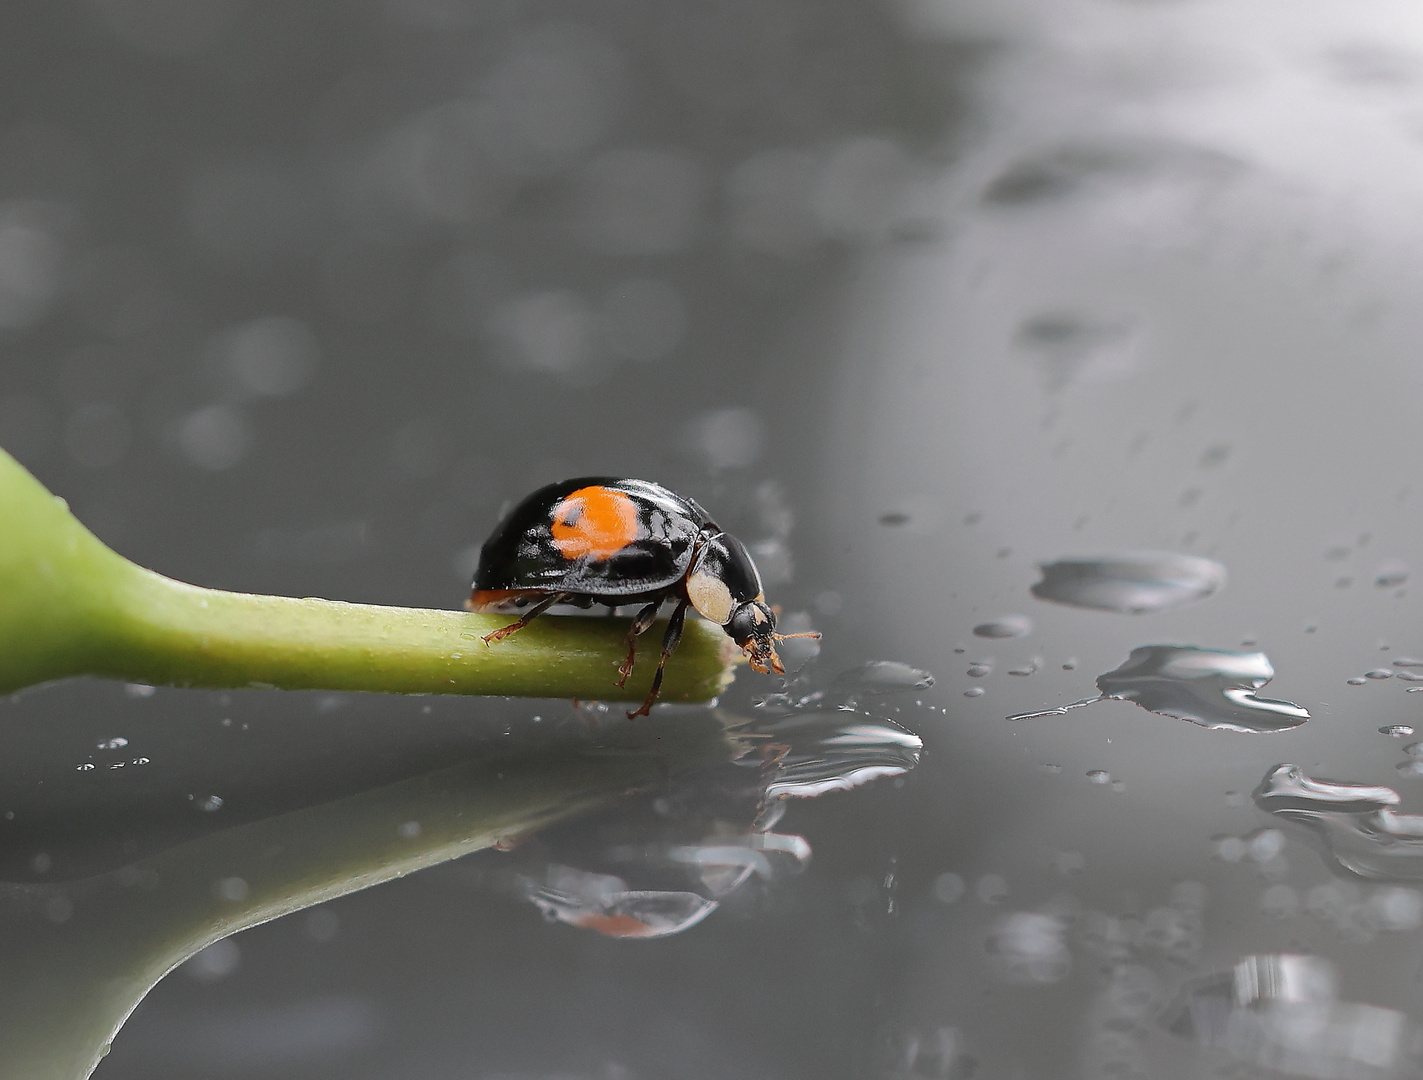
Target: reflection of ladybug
(602, 540)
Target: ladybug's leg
(669, 644)
(529, 616)
(645, 618)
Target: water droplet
(208, 803)
(1231, 849)
(1099, 776)
(991, 889)
(1398, 731)
(884, 677)
(1007, 626)
(1070, 664)
(85, 766)
(1378, 673)
(978, 671)
(949, 888)
(113, 744)
(1051, 768)
(1406, 661)
(1132, 583)
(1356, 681)
(1026, 669)
(604, 903)
(1409, 768)
(1408, 676)
(1391, 574)
(1414, 749)
(1355, 824)
(217, 961)
(230, 888)
(835, 751)
(1211, 687)
(1029, 947)
(973, 691)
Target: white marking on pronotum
(710, 596)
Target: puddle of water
(1215, 688)
(1132, 584)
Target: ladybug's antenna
(811, 633)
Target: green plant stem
(69, 605)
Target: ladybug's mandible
(610, 541)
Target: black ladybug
(604, 540)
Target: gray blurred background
(294, 296)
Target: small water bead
(1410, 768)
(1356, 681)
(1408, 676)
(86, 766)
(1414, 749)
(1007, 626)
(1099, 776)
(973, 691)
(207, 803)
(1378, 673)
(949, 888)
(1029, 668)
(1398, 731)
(1070, 664)
(117, 742)
(991, 889)
(1390, 575)
(1049, 767)
(1231, 849)
(979, 670)
(1407, 661)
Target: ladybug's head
(753, 626)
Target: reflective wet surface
(1043, 347)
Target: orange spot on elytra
(593, 522)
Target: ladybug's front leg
(645, 618)
(669, 644)
(529, 616)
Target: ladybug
(609, 541)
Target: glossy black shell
(521, 554)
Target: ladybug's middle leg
(529, 616)
(645, 618)
(669, 644)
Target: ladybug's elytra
(604, 540)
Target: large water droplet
(1214, 688)
(1354, 824)
(1134, 583)
(835, 751)
(1008, 626)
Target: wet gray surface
(918, 299)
